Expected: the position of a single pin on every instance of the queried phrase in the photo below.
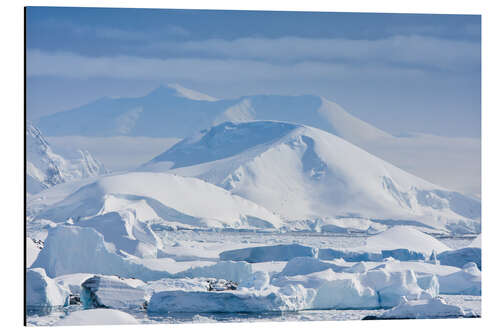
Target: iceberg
(405, 237)
(42, 293)
(345, 294)
(214, 301)
(464, 282)
(259, 281)
(72, 282)
(307, 265)
(227, 270)
(349, 255)
(429, 283)
(125, 232)
(281, 252)
(113, 292)
(403, 254)
(401, 284)
(72, 249)
(392, 285)
(460, 257)
(32, 251)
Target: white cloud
(71, 65)
(402, 50)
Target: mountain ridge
(305, 173)
(175, 111)
(45, 168)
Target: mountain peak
(225, 140)
(175, 89)
(305, 174)
(46, 168)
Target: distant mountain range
(174, 111)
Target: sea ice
(97, 317)
(424, 308)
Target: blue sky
(400, 72)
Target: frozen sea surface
(467, 302)
(245, 239)
(303, 238)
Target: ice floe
(97, 317)
(425, 308)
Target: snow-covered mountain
(175, 111)
(168, 111)
(45, 168)
(306, 174)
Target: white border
(12, 158)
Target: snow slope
(306, 174)
(140, 197)
(400, 237)
(176, 111)
(45, 168)
(168, 111)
